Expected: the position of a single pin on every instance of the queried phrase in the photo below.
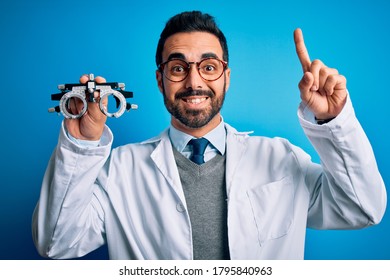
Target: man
(252, 198)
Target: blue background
(46, 43)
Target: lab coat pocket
(273, 208)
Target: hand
(90, 126)
(322, 89)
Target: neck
(197, 132)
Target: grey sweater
(205, 192)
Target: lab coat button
(180, 207)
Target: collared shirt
(216, 137)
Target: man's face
(193, 103)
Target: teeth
(196, 100)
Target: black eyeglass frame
(162, 65)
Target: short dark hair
(190, 22)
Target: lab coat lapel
(235, 149)
(236, 146)
(165, 161)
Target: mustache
(191, 92)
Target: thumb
(305, 85)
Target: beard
(190, 117)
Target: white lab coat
(132, 198)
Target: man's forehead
(193, 45)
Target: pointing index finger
(301, 50)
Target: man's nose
(194, 80)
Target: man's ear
(227, 79)
(159, 78)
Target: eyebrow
(209, 55)
(182, 56)
(176, 55)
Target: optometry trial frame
(85, 93)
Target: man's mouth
(194, 100)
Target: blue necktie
(198, 147)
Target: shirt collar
(216, 137)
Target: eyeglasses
(177, 70)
